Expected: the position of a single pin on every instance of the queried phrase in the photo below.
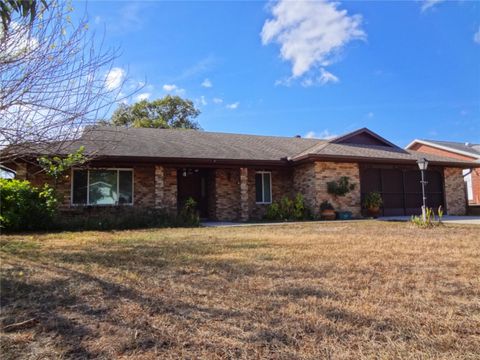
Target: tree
(53, 79)
(26, 9)
(165, 113)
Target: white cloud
(427, 4)
(233, 106)
(217, 100)
(97, 20)
(18, 43)
(114, 78)
(173, 88)
(143, 96)
(325, 135)
(207, 83)
(310, 33)
(168, 87)
(202, 100)
(370, 115)
(476, 36)
(326, 77)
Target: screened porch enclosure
(401, 189)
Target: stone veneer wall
(456, 203)
(311, 181)
(170, 190)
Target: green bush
(25, 207)
(341, 187)
(288, 209)
(126, 217)
(113, 218)
(188, 215)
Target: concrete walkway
(234, 224)
(448, 219)
(472, 220)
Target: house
(455, 150)
(235, 177)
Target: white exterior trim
(88, 186)
(263, 188)
(446, 148)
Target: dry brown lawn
(306, 291)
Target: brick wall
(143, 185)
(304, 182)
(311, 181)
(227, 194)
(37, 177)
(476, 186)
(455, 191)
(435, 151)
(475, 172)
(282, 185)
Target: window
(102, 187)
(263, 187)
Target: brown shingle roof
(355, 151)
(175, 144)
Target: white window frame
(88, 186)
(263, 188)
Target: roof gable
(471, 150)
(363, 136)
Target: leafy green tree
(170, 112)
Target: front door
(192, 183)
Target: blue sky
(403, 69)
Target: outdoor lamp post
(422, 165)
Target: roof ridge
(224, 133)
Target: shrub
(113, 218)
(288, 209)
(125, 217)
(188, 215)
(341, 187)
(373, 200)
(25, 207)
(430, 220)
(326, 205)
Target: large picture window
(263, 187)
(102, 187)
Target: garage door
(401, 189)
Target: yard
(310, 291)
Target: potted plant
(373, 201)
(326, 211)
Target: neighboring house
(235, 177)
(455, 150)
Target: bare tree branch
(53, 81)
